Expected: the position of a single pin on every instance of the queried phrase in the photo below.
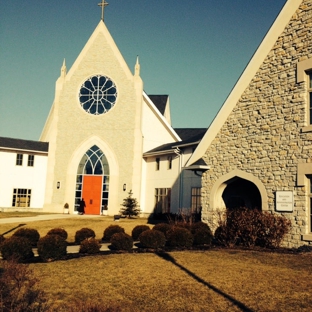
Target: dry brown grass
(214, 280)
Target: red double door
(92, 194)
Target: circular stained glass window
(98, 95)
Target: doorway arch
(92, 181)
(238, 188)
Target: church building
(259, 146)
(104, 137)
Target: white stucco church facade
(103, 137)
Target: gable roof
(23, 145)
(160, 102)
(254, 64)
(192, 136)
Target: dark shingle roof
(188, 133)
(24, 144)
(160, 102)
(198, 133)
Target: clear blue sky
(192, 50)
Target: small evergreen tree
(130, 206)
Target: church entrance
(92, 182)
(241, 193)
(91, 193)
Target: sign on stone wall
(284, 201)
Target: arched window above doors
(93, 162)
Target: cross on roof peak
(103, 4)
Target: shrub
(273, 230)
(251, 227)
(198, 225)
(90, 246)
(19, 290)
(18, 248)
(58, 231)
(138, 230)
(130, 206)
(152, 239)
(52, 247)
(121, 241)
(183, 225)
(179, 237)
(31, 234)
(202, 236)
(162, 227)
(111, 230)
(2, 238)
(83, 234)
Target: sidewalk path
(45, 217)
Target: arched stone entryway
(236, 189)
(241, 193)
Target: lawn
(211, 280)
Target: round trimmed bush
(202, 236)
(17, 248)
(83, 234)
(138, 230)
(162, 227)
(52, 247)
(58, 231)
(110, 231)
(183, 225)
(152, 239)
(121, 241)
(179, 237)
(31, 234)
(198, 225)
(90, 246)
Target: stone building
(259, 146)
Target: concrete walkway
(45, 217)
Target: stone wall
(262, 135)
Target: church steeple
(63, 70)
(137, 67)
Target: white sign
(284, 201)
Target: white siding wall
(12, 176)
(180, 181)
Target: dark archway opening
(241, 193)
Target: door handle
(91, 200)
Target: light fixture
(58, 185)
(124, 187)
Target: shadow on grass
(11, 230)
(169, 258)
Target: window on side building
(31, 160)
(162, 200)
(19, 160)
(169, 162)
(310, 202)
(196, 199)
(157, 163)
(21, 197)
(309, 98)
